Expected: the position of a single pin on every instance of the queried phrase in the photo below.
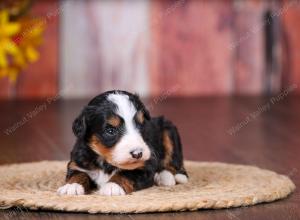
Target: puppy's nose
(137, 153)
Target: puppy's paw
(111, 189)
(164, 178)
(181, 178)
(71, 189)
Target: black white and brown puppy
(120, 148)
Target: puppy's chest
(99, 176)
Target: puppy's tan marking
(132, 166)
(98, 147)
(168, 146)
(114, 121)
(73, 166)
(82, 179)
(140, 117)
(125, 183)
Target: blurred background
(226, 72)
(77, 49)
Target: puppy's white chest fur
(99, 177)
(105, 187)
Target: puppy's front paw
(164, 178)
(111, 189)
(71, 189)
(181, 178)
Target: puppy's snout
(137, 153)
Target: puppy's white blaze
(125, 108)
(164, 178)
(132, 139)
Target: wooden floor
(266, 134)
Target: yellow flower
(18, 44)
(7, 30)
(31, 38)
(10, 72)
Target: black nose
(137, 153)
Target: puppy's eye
(110, 131)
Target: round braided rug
(211, 185)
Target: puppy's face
(113, 129)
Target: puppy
(120, 148)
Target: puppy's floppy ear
(80, 123)
(79, 126)
(146, 113)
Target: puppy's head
(112, 125)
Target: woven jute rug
(211, 185)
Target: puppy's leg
(173, 169)
(77, 182)
(125, 182)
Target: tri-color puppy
(120, 148)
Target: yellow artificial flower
(18, 43)
(7, 30)
(31, 38)
(10, 72)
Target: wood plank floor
(266, 134)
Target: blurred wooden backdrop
(40, 79)
(179, 47)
